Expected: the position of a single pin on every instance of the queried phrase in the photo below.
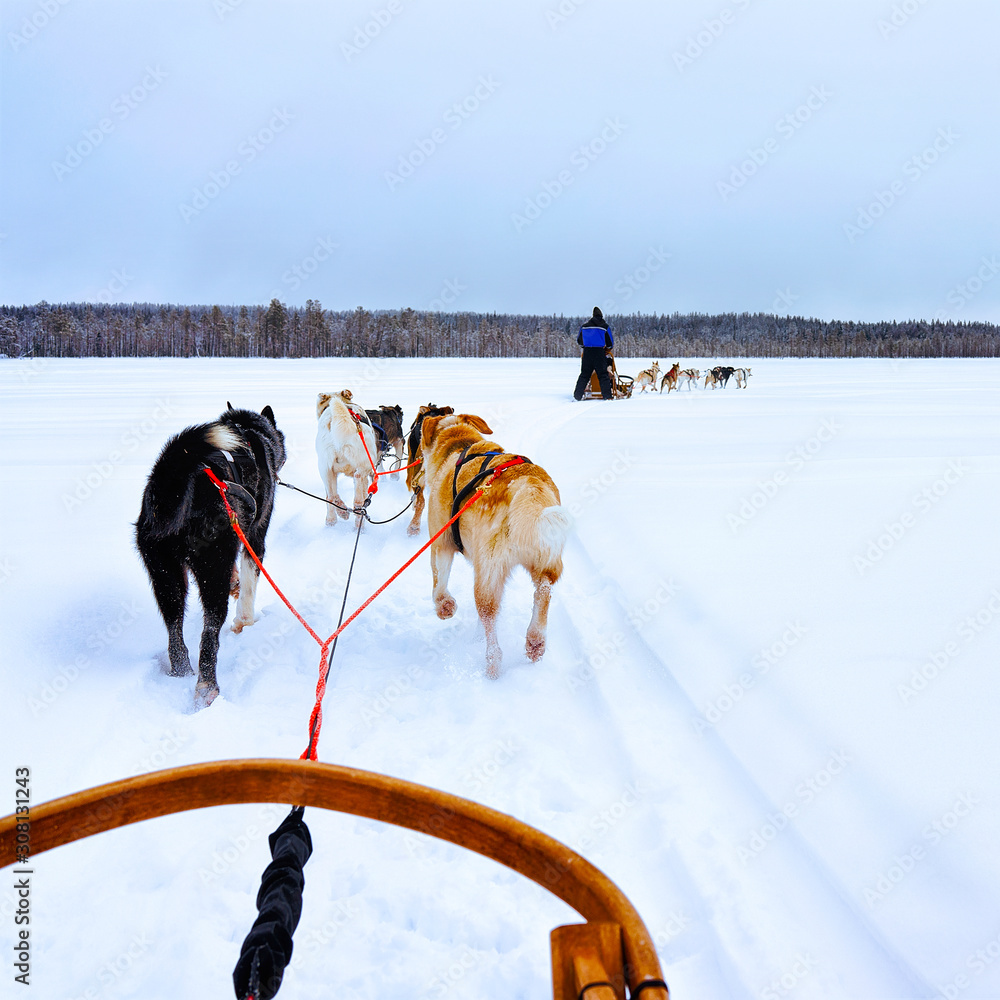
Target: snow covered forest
(88, 330)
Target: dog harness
(460, 496)
(233, 468)
(383, 438)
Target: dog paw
(240, 623)
(534, 647)
(493, 661)
(180, 670)
(445, 607)
(342, 513)
(205, 694)
(413, 530)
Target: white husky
(340, 451)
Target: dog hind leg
(488, 606)
(169, 578)
(213, 586)
(441, 560)
(413, 528)
(249, 575)
(340, 509)
(534, 645)
(361, 480)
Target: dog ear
(268, 414)
(427, 430)
(477, 422)
(322, 402)
(229, 406)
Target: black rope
(360, 511)
(394, 516)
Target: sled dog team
(675, 377)
(183, 526)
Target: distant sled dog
(183, 526)
(518, 522)
(346, 445)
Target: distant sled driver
(596, 340)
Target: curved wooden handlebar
(362, 793)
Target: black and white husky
(183, 526)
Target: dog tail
(168, 499)
(552, 528)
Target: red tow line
(316, 716)
(373, 489)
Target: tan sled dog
(646, 379)
(517, 522)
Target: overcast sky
(830, 158)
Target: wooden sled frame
(591, 961)
(621, 385)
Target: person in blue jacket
(596, 340)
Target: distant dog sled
(621, 385)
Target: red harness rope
(373, 489)
(316, 716)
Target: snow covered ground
(768, 708)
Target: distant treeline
(84, 330)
